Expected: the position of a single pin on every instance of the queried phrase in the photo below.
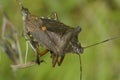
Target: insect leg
(53, 16)
(54, 58)
(35, 46)
(43, 52)
(61, 60)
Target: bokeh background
(99, 20)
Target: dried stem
(26, 52)
(7, 26)
(22, 66)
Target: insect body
(62, 39)
(55, 36)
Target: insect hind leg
(53, 16)
(61, 60)
(54, 58)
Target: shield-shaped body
(51, 34)
(58, 37)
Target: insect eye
(28, 33)
(25, 11)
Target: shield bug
(53, 35)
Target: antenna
(113, 38)
(80, 66)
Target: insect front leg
(35, 47)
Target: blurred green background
(99, 20)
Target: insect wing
(43, 38)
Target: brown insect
(57, 37)
(53, 35)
